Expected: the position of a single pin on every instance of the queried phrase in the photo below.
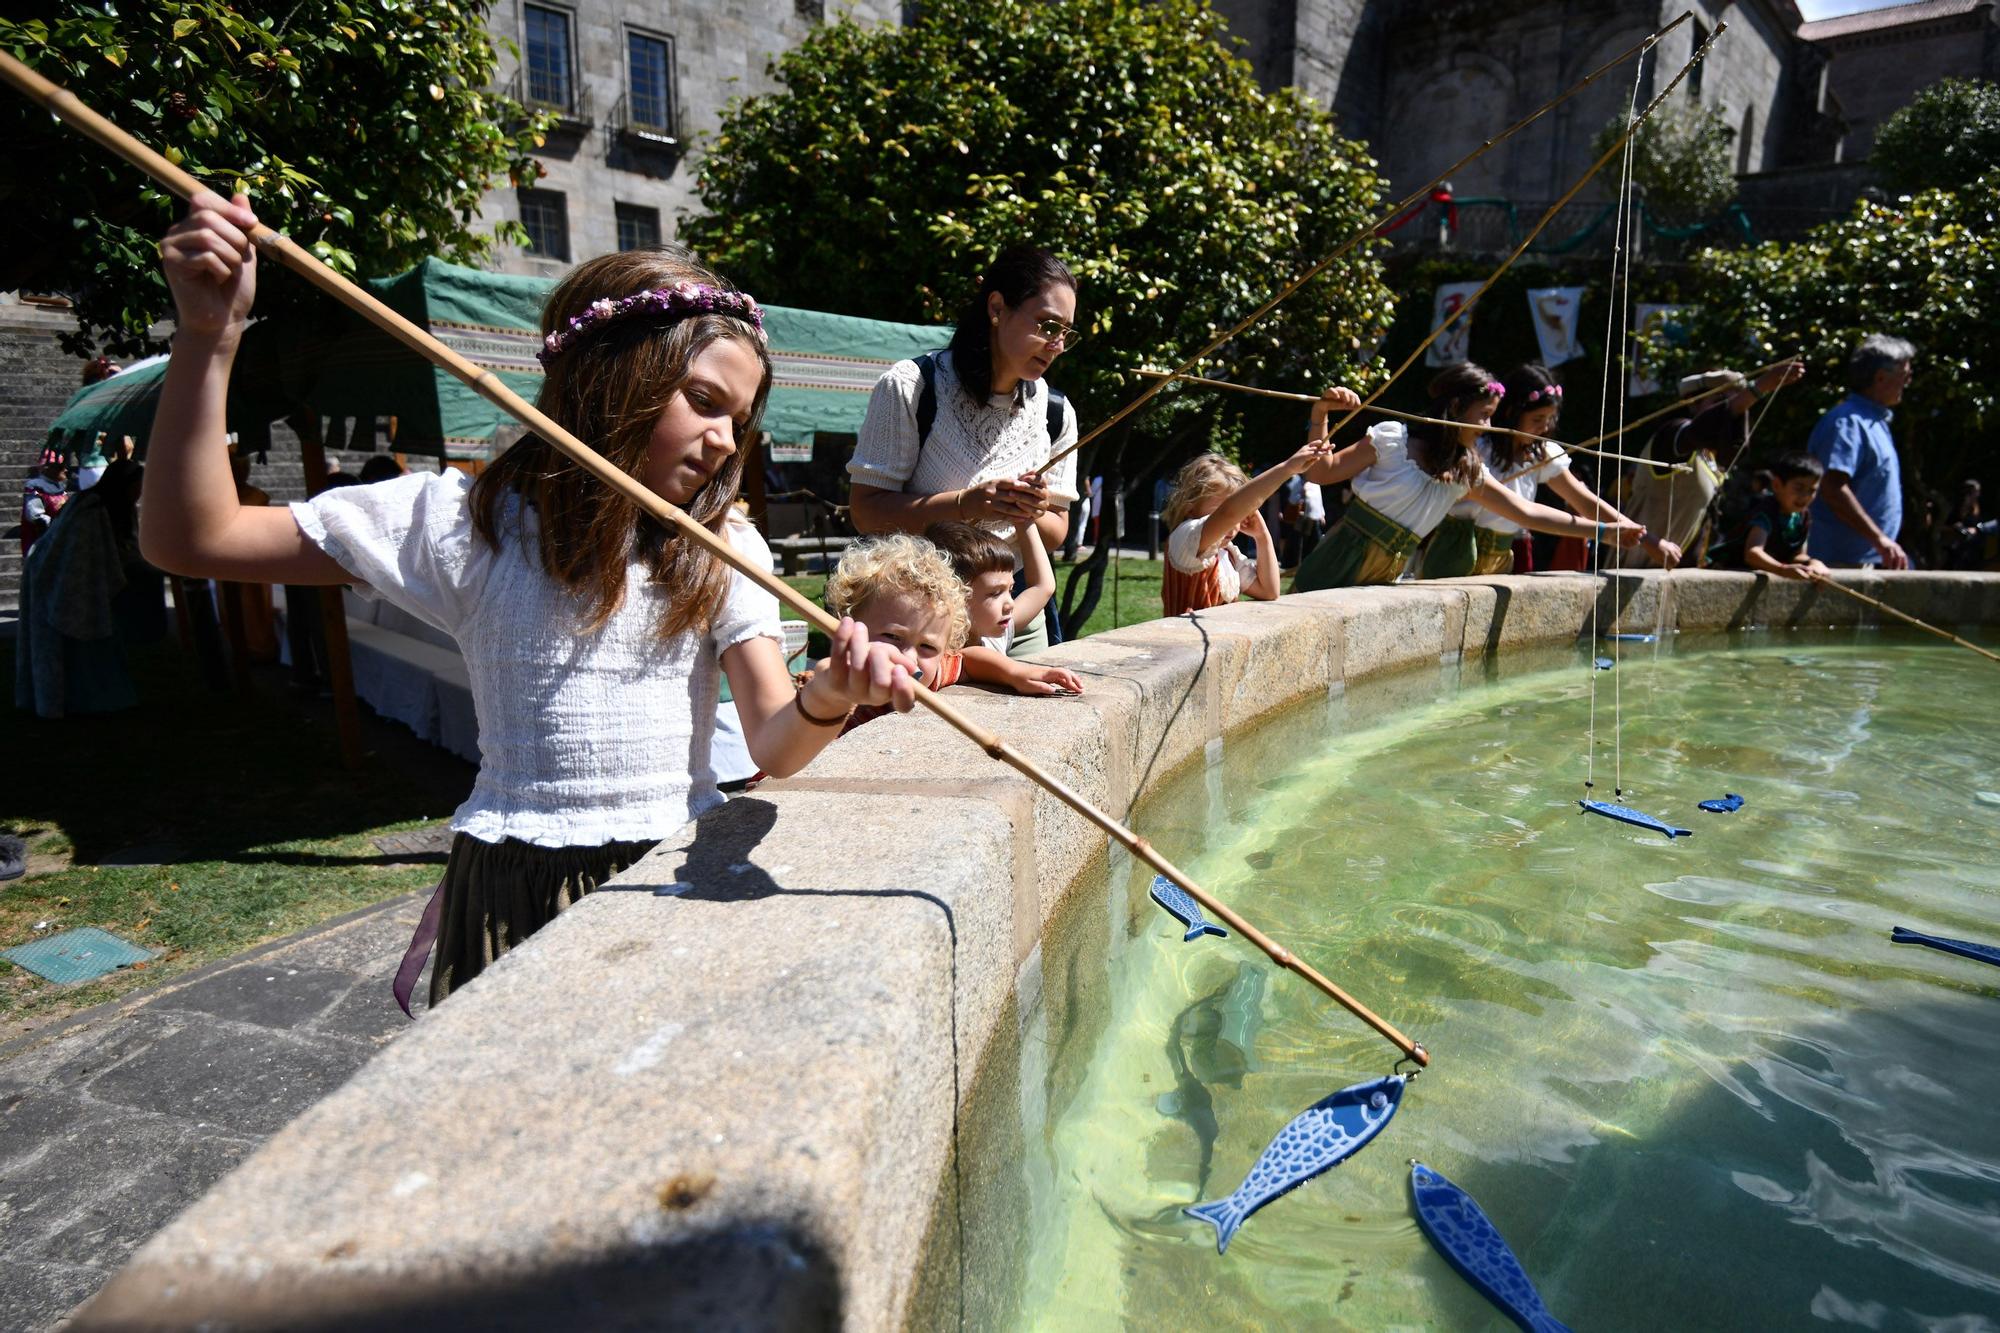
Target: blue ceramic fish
(1604, 664)
(1472, 1244)
(1323, 1135)
(1182, 906)
(1631, 816)
(1984, 953)
(1728, 805)
(1627, 638)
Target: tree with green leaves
(1945, 139)
(1926, 269)
(893, 162)
(367, 131)
(1680, 162)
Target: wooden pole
(1394, 211)
(71, 110)
(1827, 582)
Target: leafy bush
(1681, 161)
(1945, 139)
(1122, 135)
(365, 131)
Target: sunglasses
(1055, 331)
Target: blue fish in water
(1182, 906)
(1470, 1242)
(1322, 1136)
(1604, 664)
(1984, 953)
(1627, 638)
(1631, 816)
(1728, 805)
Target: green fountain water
(1692, 1082)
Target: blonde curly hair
(901, 563)
(1209, 474)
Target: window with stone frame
(649, 66)
(545, 217)
(548, 54)
(638, 227)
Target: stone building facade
(1424, 80)
(636, 84)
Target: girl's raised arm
(1502, 501)
(190, 522)
(1594, 506)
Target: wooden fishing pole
(1290, 396)
(1548, 217)
(1395, 211)
(67, 107)
(1826, 581)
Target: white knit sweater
(584, 739)
(968, 444)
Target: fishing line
(1626, 219)
(1611, 317)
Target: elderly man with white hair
(1859, 512)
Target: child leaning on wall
(985, 564)
(1772, 537)
(904, 592)
(1211, 502)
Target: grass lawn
(201, 823)
(1137, 587)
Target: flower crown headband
(1493, 389)
(1546, 391)
(677, 302)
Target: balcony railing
(623, 127)
(574, 115)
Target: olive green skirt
(1460, 548)
(496, 894)
(1363, 548)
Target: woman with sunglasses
(957, 434)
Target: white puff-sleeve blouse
(584, 738)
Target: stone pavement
(115, 1120)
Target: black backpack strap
(927, 397)
(1056, 401)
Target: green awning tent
(345, 369)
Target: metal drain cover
(70, 956)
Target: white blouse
(1234, 568)
(967, 445)
(1395, 487)
(1525, 485)
(584, 739)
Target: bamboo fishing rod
(1291, 396)
(1700, 53)
(1826, 581)
(67, 107)
(1395, 211)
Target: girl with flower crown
(1405, 483)
(1474, 539)
(594, 638)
